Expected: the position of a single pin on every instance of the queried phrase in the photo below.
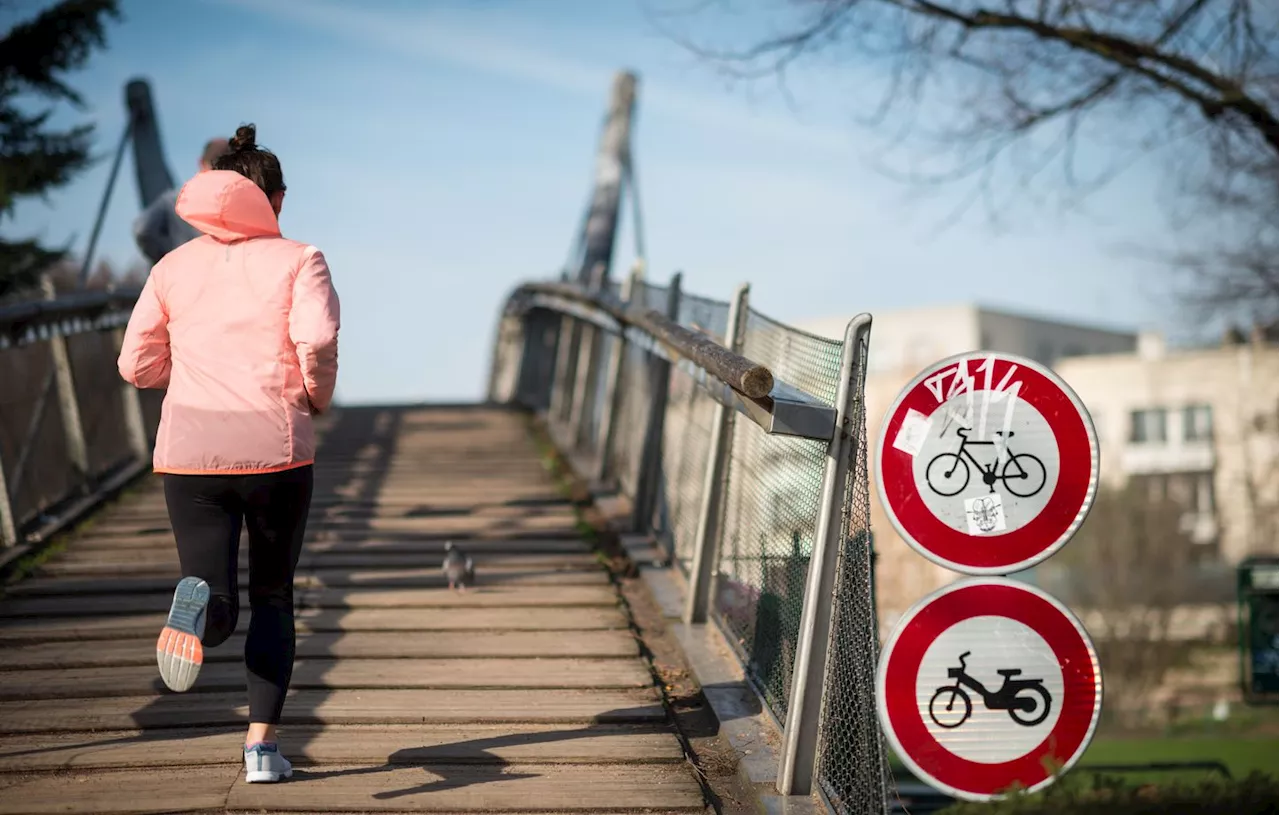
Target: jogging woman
(241, 326)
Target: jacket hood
(225, 205)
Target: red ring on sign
(1075, 466)
(1077, 707)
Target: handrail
(749, 378)
(780, 409)
(37, 320)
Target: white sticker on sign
(912, 434)
(985, 514)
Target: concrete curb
(744, 720)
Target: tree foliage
(36, 158)
(1192, 81)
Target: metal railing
(741, 445)
(71, 429)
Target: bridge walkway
(528, 693)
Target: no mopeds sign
(988, 683)
(987, 463)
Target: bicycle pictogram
(948, 474)
(1026, 700)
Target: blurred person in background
(159, 230)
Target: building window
(1146, 426)
(1197, 423)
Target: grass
(1241, 754)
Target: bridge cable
(106, 200)
(637, 221)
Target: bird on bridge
(458, 568)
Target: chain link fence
(853, 751)
(772, 505)
(651, 436)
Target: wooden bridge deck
(528, 694)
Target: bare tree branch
(1024, 81)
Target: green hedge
(1101, 795)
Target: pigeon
(458, 568)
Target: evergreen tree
(35, 159)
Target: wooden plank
(184, 789)
(88, 561)
(429, 576)
(478, 788)
(392, 744)
(96, 626)
(423, 578)
(492, 596)
(434, 560)
(480, 597)
(318, 541)
(218, 677)
(47, 608)
(472, 547)
(513, 520)
(354, 645)
(536, 495)
(327, 707)
(165, 563)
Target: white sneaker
(263, 763)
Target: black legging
(206, 512)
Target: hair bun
(245, 139)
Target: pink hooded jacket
(241, 326)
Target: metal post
(77, 449)
(560, 376)
(804, 707)
(585, 372)
(705, 542)
(613, 384)
(134, 423)
(8, 524)
(651, 454)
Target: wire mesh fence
(38, 428)
(657, 415)
(33, 446)
(853, 765)
(774, 489)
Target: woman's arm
(144, 355)
(314, 320)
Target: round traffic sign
(986, 463)
(988, 683)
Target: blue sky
(439, 153)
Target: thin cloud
(466, 40)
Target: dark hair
(255, 163)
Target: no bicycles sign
(987, 463)
(988, 683)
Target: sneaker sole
(264, 777)
(179, 653)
